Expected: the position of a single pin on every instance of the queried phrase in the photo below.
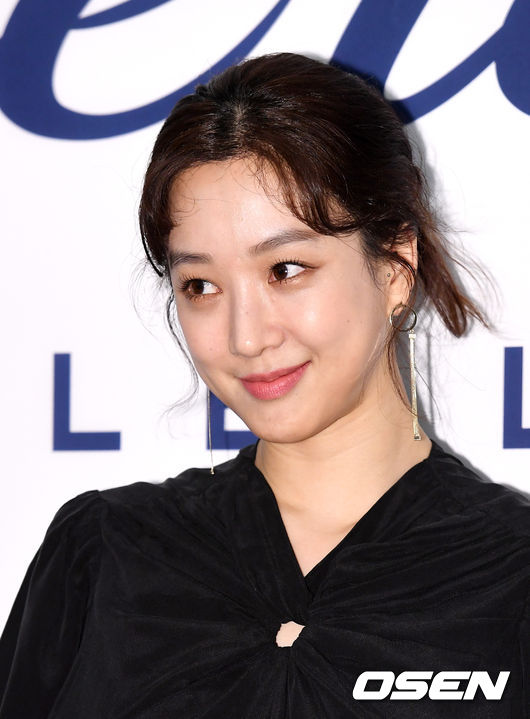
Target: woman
(284, 210)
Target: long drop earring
(210, 431)
(413, 395)
(412, 363)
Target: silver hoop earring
(209, 431)
(412, 358)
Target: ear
(398, 279)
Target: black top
(164, 600)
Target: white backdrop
(71, 249)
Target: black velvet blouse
(164, 600)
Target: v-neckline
(360, 530)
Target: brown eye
(200, 287)
(282, 273)
(196, 287)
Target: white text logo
(416, 685)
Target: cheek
(350, 315)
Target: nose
(254, 324)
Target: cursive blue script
(370, 44)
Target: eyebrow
(179, 257)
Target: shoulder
(194, 496)
(503, 505)
(191, 483)
(188, 483)
(77, 516)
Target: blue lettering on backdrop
(370, 44)
(63, 438)
(222, 438)
(515, 435)
(28, 51)
(378, 30)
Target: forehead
(229, 184)
(229, 204)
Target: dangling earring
(209, 431)
(412, 361)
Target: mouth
(274, 384)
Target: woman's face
(257, 291)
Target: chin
(287, 420)
(280, 432)
(279, 437)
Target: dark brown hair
(341, 156)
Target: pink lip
(274, 384)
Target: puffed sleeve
(45, 626)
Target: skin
(333, 444)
